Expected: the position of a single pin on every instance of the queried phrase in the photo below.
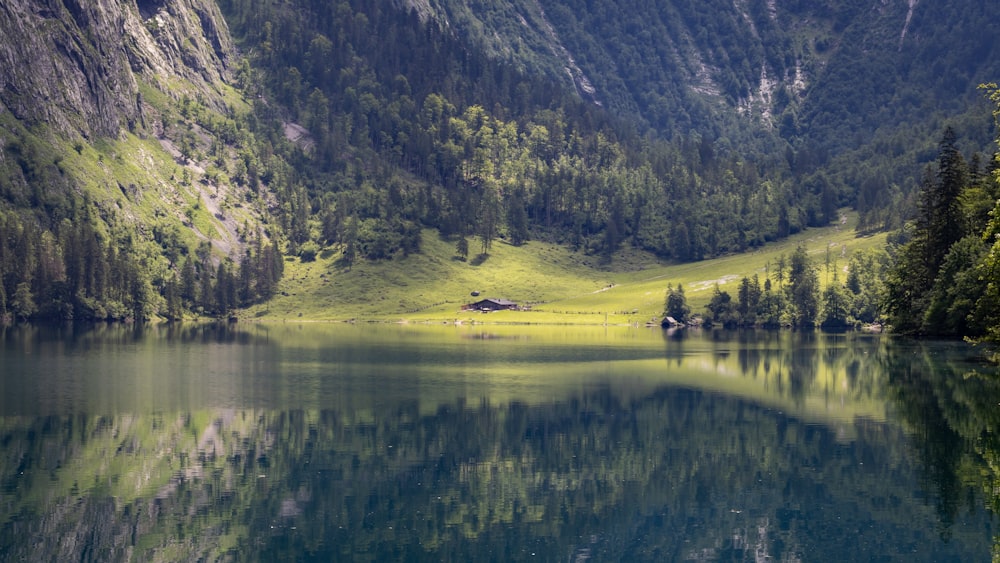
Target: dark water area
(443, 443)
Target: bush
(308, 251)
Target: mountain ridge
(687, 129)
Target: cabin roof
(497, 301)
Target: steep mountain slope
(117, 129)
(853, 89)
(134, 128)
(812, 70)
(76, 65)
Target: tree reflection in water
(675, 472)
(951, 409)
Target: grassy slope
(563, 287)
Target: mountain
(77, 67)
(805, 69)
(865, 81)
(117, 118)
(190, 143)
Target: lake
(492, 443)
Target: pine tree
(836, 305)
(938, 226)
(188, 283)
(940, 206)
(676, 304)
(803, 288)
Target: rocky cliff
(76, 64)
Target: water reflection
(643, 447)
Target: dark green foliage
(676, 304)
(722, 310)
(865, 282)
(956, 289)
(429, 130)
(771, 308)
(748, 300)
(472, 128)
(763, 305)
(836, 306)
(944, 278)
(939, 225)
(803, 289)
(77, 272)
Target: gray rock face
(73, 63)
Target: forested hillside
(219, 137)
(131, 178)
(856, 91)
(429, 130)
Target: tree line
(945, 280)
(86, 270)
(938, 276)
(791, 294)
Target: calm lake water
(444, 443)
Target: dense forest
(464, 123)
(431, 132)
(944, 280)
(937, 277)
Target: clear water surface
(472, 443)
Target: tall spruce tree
(938, 226)
(940, 206)
(803, 288)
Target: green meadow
(551, 282)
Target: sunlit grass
(559, 285)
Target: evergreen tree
(952, 299)
(188, 282)
(803, 288)
(771, 307)
(676, 305)
(836, 306)
(23, 303)
(748, 298)
(462, 248)
(865, 284)
(172, 296)
(722, 310)
(940, 212)
(206, 291)
(938, 226)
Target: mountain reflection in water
(437, 443)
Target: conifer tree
(938, 226)
(676, 304)
(803, 288)
(23, 303)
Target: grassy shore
(560, 286)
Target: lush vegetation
(429, 131)
(66, 256)
(944, 278)
(334, 146)
(851, 95)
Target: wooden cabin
(491, 304)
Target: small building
(491, 304)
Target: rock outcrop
(76, 64)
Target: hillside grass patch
(559, 286)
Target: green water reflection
(386, 443)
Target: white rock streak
(906, 24)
